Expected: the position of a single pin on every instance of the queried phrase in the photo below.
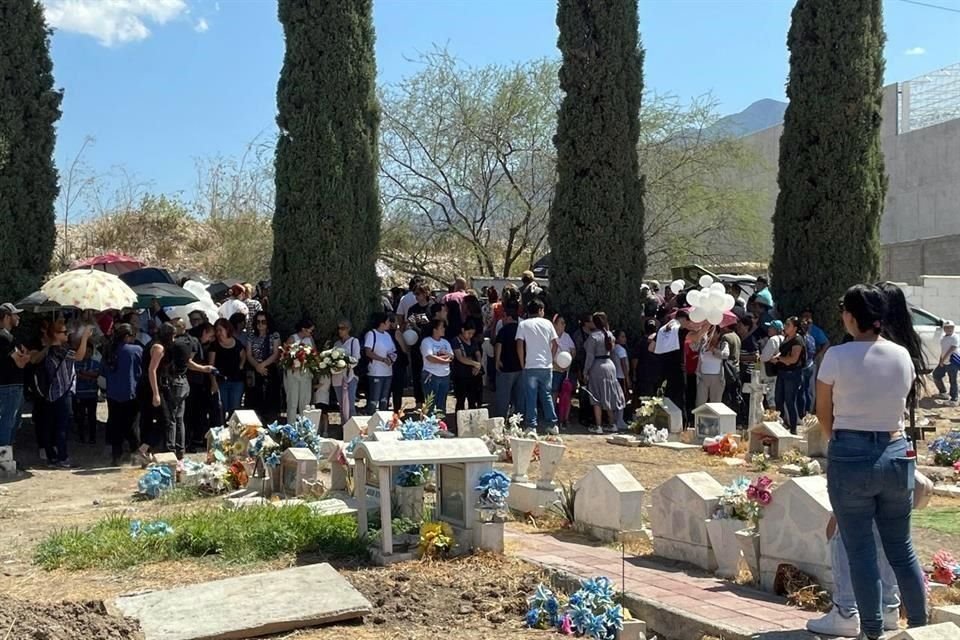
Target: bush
(244, 535)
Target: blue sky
(160, 83)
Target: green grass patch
(241, 535)
(942, 519)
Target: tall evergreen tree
(29, 107)
(832, 180)
(327, 220)
(596, 222)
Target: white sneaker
(891, 619)
(836, 624)
(553, 431)
(941, 396)
(609, 428)
(953, 403)
(596, 429)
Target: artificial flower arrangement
(946, 449)
(760, 462)
(498, 443)
(494, 487)
(333, 361)
(211, 477)
(808, 466)
(154, 528)
(155, 481)
(436, 539)
(946, 569)
(745, 500)
(590, 612)
(302, 433)
(413, 475)
(647, 434)
(299, 357)
(426, 428)
(724, 446)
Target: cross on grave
(757, 391)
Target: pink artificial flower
(764, 497)
(956, 466)
(442, 425)
(943, 575)
(566, 626)
(943, 560)
(763, 482)
(752, 492)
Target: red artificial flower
(942, 575)
(442, 425)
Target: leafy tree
(467, 166)
(29, 107)
(596, 222)
(832, 181)
(327, 220)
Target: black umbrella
(147, 275)
(38, 302)
(169, 295)
(219, 290)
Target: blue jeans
(789, 397)
(806, 405)
(843, 595)
(60, 417)
(509, 393)
(11, 399)
(950, 370)
(870, 482)
(556, 381)
(536, 384)
(378, 393)
(439, 386)
(231, 394)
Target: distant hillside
(760, 115)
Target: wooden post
(386, 519)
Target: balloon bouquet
(710, 302)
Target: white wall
(940, 295)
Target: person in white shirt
(713, 351)
(769, 351)
(380, 350)
(437, 356)
(948, 364)
(621, 360)
(346, 380)
(537, 343)
(564, 344)
(409, 298)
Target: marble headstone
(780, 439)
(355, 426)
(609, 497)
(470, 422)
(680, 508)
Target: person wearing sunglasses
(263, 353)
(60, 367)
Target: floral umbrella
(89, 289)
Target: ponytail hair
(600, 322)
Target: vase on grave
(749, 540)
(722, 533)
(410, 502)
(550, 455)
(521, 449)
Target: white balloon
(728, 302)
(693, 298)
(410, 337)
(698, 314)
(715, 316)
(677, 286)
(705, 281)
(564, 359)
(716, 300)
(718, 286)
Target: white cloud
(112, 22)
(915, 51)
(201, 26)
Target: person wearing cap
(949, 363)
(529, 289)
(769, 351)
(13, 358)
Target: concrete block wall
(939, 295)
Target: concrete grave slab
(355, 426)
(677, 446)
(946, 614)
(223, 608)
(681, 507)
(471, 422)
(609, 497)
(942, 631)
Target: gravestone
(941, 631)
(168, 460)
(774, 434)
(339, 474)
(681, 507)
(946, 614)
(313, 415)
(355, 426)
(793, 531)
(714, 419)
(756, 389)
(296, 465)
(385, 436)
(817, 441)
(672, 414)
(470, 422)
(222, 608)
(380, 420)
(608, 501)
(242, 419)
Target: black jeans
(397, 386)
(122, 425)
(264, 397)
(201, 407)
(58, 420)
(85, 414)
(468, 392)
(173, 402)
(151, 422)
(416, 364)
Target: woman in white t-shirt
(380, 350)
(565, 343)
(713, 351)
(621, 360)
(862, 387)
(437, 356)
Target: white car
(930, 329)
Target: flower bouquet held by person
(299, 357)
(335, 360)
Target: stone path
(668, 595)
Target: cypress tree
(29, 107)
(327, 219)
(596, 221)
(831, 178)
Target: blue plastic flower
(135, 528)
(540, 596)
(576, 599)
(580, 617)
(613, 617)
(596, 628)
(272, 460)
(552, 605)
(533, 617)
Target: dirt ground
(480, 597)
